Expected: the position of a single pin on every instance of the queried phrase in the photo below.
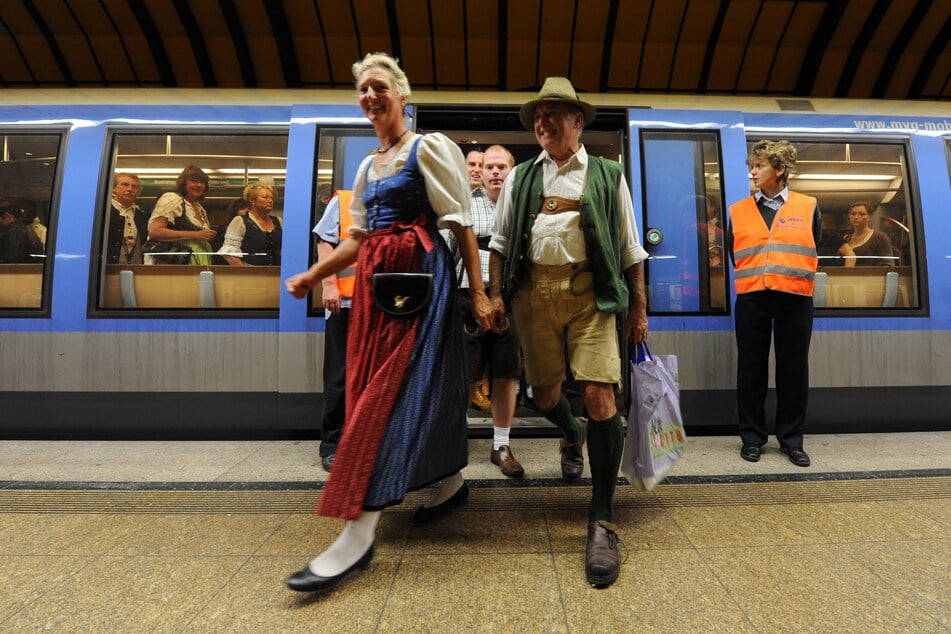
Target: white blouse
(169, 206)
(443, 168)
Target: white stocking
(447, 488)
(352, 543)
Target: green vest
(600, 222)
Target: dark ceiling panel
(262, 42)
(628, 43)
(521, 65)
(109, 50)
(801, 48)
(790, 55)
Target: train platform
(162, 536)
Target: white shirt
(558, 238)
(443, 168)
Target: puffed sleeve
(444, 169)
(234, 238)
(168, 206)
(358, 212)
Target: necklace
(389, 147)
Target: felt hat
(555, 89)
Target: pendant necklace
(393, 144)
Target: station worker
(565, 248)
(772, 241)
(337, 296)
(128, 224)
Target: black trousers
(786, 319)
(335, 381)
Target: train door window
(683, 222)
(27, 176)
(868, 251)
(192, 221)
(339, 154)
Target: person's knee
(546, 396)
(599, 400)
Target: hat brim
(527, 113)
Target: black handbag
(167, 252)
(402, 294)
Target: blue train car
(98, 344)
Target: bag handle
(640, 352)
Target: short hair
(251, 191)
(777, 153)
(192, 172)
(868, 206)
(499, 148)
(10, 207)
(118, 175)
(387, 63)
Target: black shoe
(306, 581)
(327, 462)
(797, 456)
(428, 514)
(750, 452)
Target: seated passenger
(834, 250)
(871, 246)
(179, 217)
(254, 238)
(18, 243)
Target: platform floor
(198, 537)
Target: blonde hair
(251, 191)
(387, 63)
(503, 150)
(777, 153)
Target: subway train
(94, 347)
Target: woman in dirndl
(406, 390)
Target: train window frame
(60, 134)
(646, 134)
(336, 181)
(917, 260)
(107, 171)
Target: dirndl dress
(406, 397)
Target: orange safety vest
(779, 258)
(346, 277)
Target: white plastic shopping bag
(655, 429)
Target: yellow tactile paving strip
(488, 498)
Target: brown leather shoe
(572, 456)
(506, 461)
(602, 560)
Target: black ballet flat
(306, 581)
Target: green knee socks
(563, 419)
(605, 445)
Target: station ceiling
(878, 49)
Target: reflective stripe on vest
(347, 277)
(780, 258)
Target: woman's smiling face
(378, 96)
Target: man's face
(558, 128)
(126, 190)
(765, 176)
(474, 168)
(495, 169)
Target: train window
(192, 221)
(27, 174)
(339, 154)
(683, 222)
(867, 255)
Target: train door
(686, 167)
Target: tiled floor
(198, 537)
